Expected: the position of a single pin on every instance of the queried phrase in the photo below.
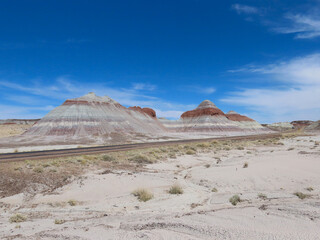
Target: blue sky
(260, 58)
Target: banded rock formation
(92, 115)
(207, 117)
(244, 122)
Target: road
(48, 154)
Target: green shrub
(301, 195)
(234, 200)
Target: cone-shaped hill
(91, 115)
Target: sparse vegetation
(59, 221)
(140, 159)
(207, 165)
(301, 195)
(143, 194)
(190, 152)
(240, 148)
(310, 189)
(214, 190)
(17, 218)
(108, 158)
(72, 202)
(38, 169)
(234, 200)
(262, 196)
(290, 149)
(245, 165)
(176, 189)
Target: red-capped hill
(149, 111)
(234, 116)
(206, 108)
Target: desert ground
(248, 189)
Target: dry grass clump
(72, 202)
(207, 165)
(108, 158)
(245, 165)
(176, 189)
(214, 190)
(310, 189)
(234, 200)
(190, 152)
(38, 169)
(203, 145)
(141, 159)
(17, 218)
(290, 149)
(59, 221)
(316, 143)
(301, 195)
(143, 195)
(262, 196)
(240, 148)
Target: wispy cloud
(299, 100)
(199, 89)
(303, 26)
(32, 97)
(240, 8)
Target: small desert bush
(17, 218)
(214, 190)
(140, 159)
(59, 221)
(234, 200)
(317, 143)
(240, 148)
(172, 155)
(176, 189)
(290, 149)
(108, 158)
(38, 169)
(262, 196)
(207, 165)
(245, 165)
(310, 189)
(203, 145)
(301, 195)
(72, 202)
(190, 152)
(142, 194)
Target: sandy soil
(9, 130)
(106, 209)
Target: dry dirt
(90, 197)
(9, 130)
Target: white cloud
(144, 86)
(198, 89)
(300, 100)
(240, 8)
(303, 26)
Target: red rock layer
(148, 111)
(301, 123)
(238, 117)
(202, 112)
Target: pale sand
(9, 130)
(108, 210)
